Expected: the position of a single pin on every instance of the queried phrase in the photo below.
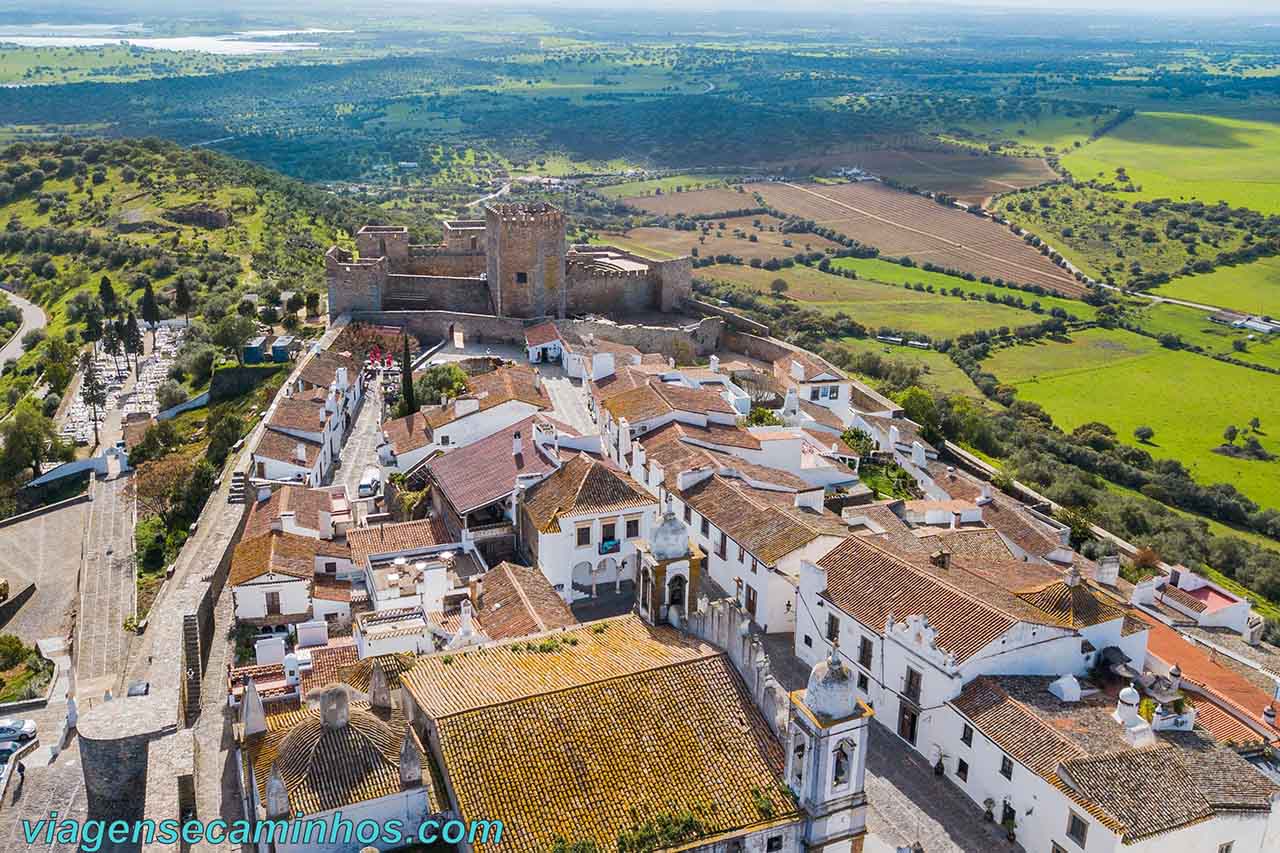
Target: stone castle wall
(354, 285)
(525, 250)
(611, 293)
(433, 260)
(467, 294)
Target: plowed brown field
(899, 223)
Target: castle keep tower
(525, 248)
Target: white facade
(583, 554)
(294, 595)
(294, 470)
(468, 427)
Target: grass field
(1252, 287)
(733, 239)
(876, 305)
(1185, 156)
(941, 372)
(667, 185)
(1125, 380)
(1027, 136)
(1194, 327)
(878, 270)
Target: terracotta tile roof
(1148, 790)
(360, 673)
(327, 768)
(284, 448)
(1182, 597)
(327, 663)
(812, 364)
(1223, 725)
(485, 471)
(624, 378)
(543, 333)
(298, 414)
(505, 672)
(1223, 777)
(1075, 606)
(583, 346)
(602, 757)
(322, 368)
(714, 434)
(582, 486)
(1205, 668)
(491, 389)
(765, 523)
(822, 415)
(870, 584)
(518, 600)
(1014, 727)
(660, 398)
(331, 589)
(279, 553)
(408, 433)
(366, 542)
(305, 504)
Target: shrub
(170, 394)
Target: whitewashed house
(272, 577)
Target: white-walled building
(318, 513)
(816, 381)
(581, 524)
(493, 402)
(272, 577)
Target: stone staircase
(237, 493)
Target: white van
(370, 483)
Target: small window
(966, 735)
(864, 652)
(908, 720)
(808, 641)
(1227, 847)
(742, 554)
(751, 600)
(1006, 767)
(911, 685)
(688, 515)
(1078, 830)
(608, 531)
(584, 537)
(444, 440)
(721, 550)
(706, 528)
(633, 528)
(833, 627)
(331, 568)
(755, 565)
(962, 770)
(863, 683)
(813, 393)
(522, 278)
(774, 844)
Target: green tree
(150, 311)
(1255, 424)
(1230, 433)
(28, 439)
(313, 303)
(58, 363)
(919, 406)
(182, 298)
(408, 402)
(440, 380)
(859, 440)
(1144, 434)
(760, 416)
(107, 296)
(232, 333)
(131, 337)
(779, 286)
(93, 391)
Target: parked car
(370, 483)
(139, 688)
(13, 729)
(7, 749)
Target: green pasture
(1252, 288)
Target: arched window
(797, 762)
(646, 590)
(676, 591)
(841, 765)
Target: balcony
(610, 546)
(481, 532)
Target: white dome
(830, 691)
(671, 539)
(1129, 696)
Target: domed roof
(1129, 696)
(830, 691)
(671, 540)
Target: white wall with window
(593, 550)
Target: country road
(32, 318)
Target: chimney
(300, 452)
(1064, 537)
(253, 717)
(326, 524)
(379, 689)
(714, 363)
(517, 444)
(291, 669)
(951, 472)
(475, 591)
(410, 761)
(465, 406)
(895, 436)
(277, 796)
(341, 377)
(335, 706)
(691, 477)
(985, 497)
(624, 437)
(955, 521)
(671, 362)
(1175, 677)
(1269, 715)
(918, 457)
(941, 558)
(791, 405)
(1073, 578)
(1126, 712)
(1108, 573)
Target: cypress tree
(408, 403)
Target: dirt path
(32, 318)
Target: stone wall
(756, 346)
(683, 343)
(725, 624)
(675, 286)
(354, 285)
(618, 293)
(526, 242)
(433, 260)
(436, 292)
(432, 325)
(735, 321)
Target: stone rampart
(468, 294)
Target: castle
(513, 263)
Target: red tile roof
(284, 448)
(543, 333)
(582, 486)
(305, 504)
(408, 433)
(366, 542)
(486, 471)
(518, 600)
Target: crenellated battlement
(535, 215)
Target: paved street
(907, 803)
(360, 450)
(44, 549)
(107, 589)
(32, 318)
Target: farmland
(1252, 288)
(876, 305)
(1125, 380)
(902, 224)
(1028, 135)
(694, 203)
(1193, 326)
(941, 373)
(662, 186)
(1183, 156)
(970, 176)
(729, 237)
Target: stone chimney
(335, 706)
(1175, 677)
(253, 717)
(1073, 578)
(277, 796)
(955, 520)
(713, 363)
(379, 689)
(291, 669)
(517, 444)
(300, 452)
(1108, 573)
(941, 558)
(467, 633)
(410, 761)
(895, 436)
(985, 497)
